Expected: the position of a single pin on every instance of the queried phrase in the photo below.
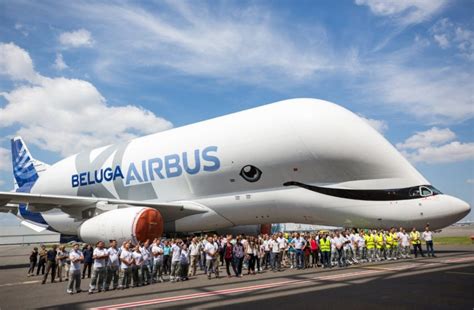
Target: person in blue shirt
(88, 252)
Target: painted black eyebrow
(365, 194)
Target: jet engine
(133, 223)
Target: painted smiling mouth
(250, 173)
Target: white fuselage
(304, 140)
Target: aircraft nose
(462, 208)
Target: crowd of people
(159, 260)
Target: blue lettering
(108, 174)
(145, 176)
(89, 181)
(211, 158)
(75, 180)
(118, 173)
(172, 163)
(132, 174)
(197, 165)
(82, 179)
(157, 169)
(100, 177)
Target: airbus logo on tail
(149, 170)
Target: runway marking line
(373, 270)
(20, 283)
(234, 290)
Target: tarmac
(444, 282)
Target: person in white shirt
(157, 253)
(266, 248)
(211, 250)
(184, 263)
(283, 245)
(400, 243)
(126, 261)
(404, 243)
(145, 269)
(76, 257)
(175, 258)
(340, 243)
(194, 253)
(427, 235)
(100, 256)
(361, 246)
(275, 253)
(113, 266)
(299, 244)
(333, 250)
(137, 266)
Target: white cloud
(77, 38)
(248, 45)
(379, 125)
(69, 115)
(448, 34)
(435, 96)
(431, 146)
(404, 12)
(470, 181)
(16, 63)
(5, 160)
(433, 136)
(59, 63)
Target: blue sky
(76, 75)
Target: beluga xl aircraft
(295, 161)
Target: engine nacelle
(132, 223)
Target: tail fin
(26, 169)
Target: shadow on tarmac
(407, 290)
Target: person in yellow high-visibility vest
(388, 245)
(379, 246)
(416, 242)
(325, 248)
(395, 244)
(370, 243)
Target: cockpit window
(425, 191)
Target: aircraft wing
(9, 208)
(73, 205)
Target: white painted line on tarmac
(373, 270)
(235, 290)
(20, 283)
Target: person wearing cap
(100, 256)
(75, 257)
(113, 266)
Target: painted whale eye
(251, 173)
